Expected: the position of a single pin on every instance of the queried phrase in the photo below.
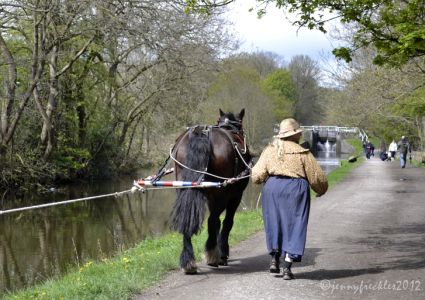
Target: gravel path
(366, 240)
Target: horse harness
(236, 138)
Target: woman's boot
(287, 273)
(274, 265)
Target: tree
(17, 95)
(239, 85)
(395, 28)
(265, 62)
(280, 88)
(387, 102)
(305, 74)
(89, 84)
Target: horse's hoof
(215, 265)
(190, 269)
(223, 262)
(212, 257)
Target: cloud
(274, 33)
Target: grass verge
(417, 163)
(133, 270)
(346, 167)
(140, 267)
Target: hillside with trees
(94, 89)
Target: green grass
(135, 269)
(339, 174)
(418, 164)
(140, 267)
(358, 146)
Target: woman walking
(288, 171)
(392, 149)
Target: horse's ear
(242, 113)
(221, 112)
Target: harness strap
(231, 135)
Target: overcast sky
(273, 32)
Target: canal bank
(49, 242)
(135, 269)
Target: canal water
(44, 243)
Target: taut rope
(117, 194)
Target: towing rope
(154, 184)
(117, 194)
(137, 186)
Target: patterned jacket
(296, 162)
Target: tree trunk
(9, 118)
(10, 85)
(47, 132)
(81, 113)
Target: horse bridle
(230, 124)
(234, 131)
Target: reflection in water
(327, 157)
(43, 243)
(327, 146)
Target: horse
(210, 153)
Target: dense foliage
(90, 87)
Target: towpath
(366, 240)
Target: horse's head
(230, 120)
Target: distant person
(383, 151)
(383, 156)
(370, 150)
(392, 149)
(403, 147)
(364, 147)
(287, 171)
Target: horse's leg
(187, 257)
(212, 253)
(227, 227)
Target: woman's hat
(288, 127)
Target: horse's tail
(189, 209)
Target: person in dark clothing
(287, 171)
(370, 150)
(383, 156)
(403, 148)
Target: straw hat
(288, 127)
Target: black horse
(217, 153)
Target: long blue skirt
(286, 208)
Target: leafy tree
(264, 62)
(394, 28)
(385, 101)
(238, 86)
(305, 74)
(409, 113)
(280, 87)
(90, 86)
